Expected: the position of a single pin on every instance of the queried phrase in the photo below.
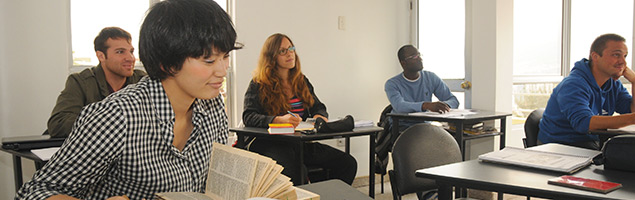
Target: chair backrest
(532, 127)
(383, 141)
(421, 146)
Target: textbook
(239, 174)
(538, 159)
(281, 128)
(585, 184)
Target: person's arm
(630, 76)
(623, 103)
(397, 101)
(605, 122)
(84, 158)
(442, 91)
(69, 104)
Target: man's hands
(628, 74)
(438, 106)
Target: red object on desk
(585, 184)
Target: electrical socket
(340, 142)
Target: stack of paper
(363, 123)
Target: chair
(532, 127)
(383, 141)
(420, 146)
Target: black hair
(109, 33)
(401, 51)
(599, 44)
(174, 30)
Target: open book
(538, 159)
(239, 174)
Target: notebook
(31, 142)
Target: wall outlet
(340, 142)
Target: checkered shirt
(123, 146)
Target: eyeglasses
(418, 55)
(285, 51)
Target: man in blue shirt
(412, 90)
(589, 96)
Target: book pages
(239, 174)
(266, 182)
(231, 172)
(537, 159)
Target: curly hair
(266, 75)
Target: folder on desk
(31, 142)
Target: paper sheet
(46, 153)
(451, 113)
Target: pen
(293, 114)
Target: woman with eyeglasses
(280, 93)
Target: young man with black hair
(412, 90)
(156, 135)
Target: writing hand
(288, 118)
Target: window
(542, 54)
(440, 39)
(442, 42)
(537, 54)
(89, 17)
(609, 16)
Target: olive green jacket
(83, 88)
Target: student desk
(335, 189)
(459, 122)
(17, 164)
(526, 181)
(299, 138)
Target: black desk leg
(371, 169)
(444, 192)
(240, 141)
(347, 145)
(300, 157)
(459, 139)
(17, 172)
(503, 132)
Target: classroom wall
(348, 68)
(34, 61)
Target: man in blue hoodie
(589, 96)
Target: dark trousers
(339, 164)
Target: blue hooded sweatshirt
(575, 100)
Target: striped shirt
(297, 106)
(123, 146)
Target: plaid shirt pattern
(123, 146)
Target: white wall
(34, 61)
(348, 68)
